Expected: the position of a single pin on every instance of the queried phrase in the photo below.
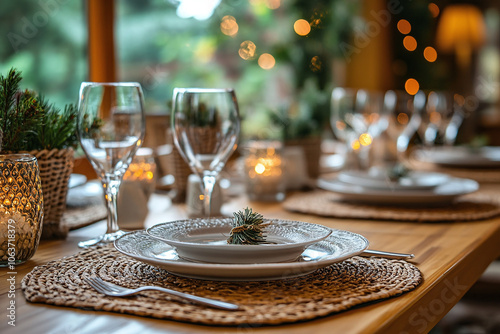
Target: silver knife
(389, 255)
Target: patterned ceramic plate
(205, 240)
(461, 156)
(439, 195)
(337, 247)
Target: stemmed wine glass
(357, 119)
(111, 128)
(404, 120)
(205, 126)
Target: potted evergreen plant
(29, 123)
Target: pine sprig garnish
(247, 228)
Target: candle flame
(260, 168)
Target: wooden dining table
(451, 256)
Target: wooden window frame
(101, 41)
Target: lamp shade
(461, 29)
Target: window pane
(163, 45)
(47, 41)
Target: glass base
(104, 239)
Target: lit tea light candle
(264, 171)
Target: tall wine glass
(404, 121)
(111, 128)
(205, 126)
(357, 119)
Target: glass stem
(208, 187)
(111, 185)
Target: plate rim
(373, 195)
(477, 159)
(391, 185)
(248, 267)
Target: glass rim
(113, 84)
(17, 157)
(203, 90)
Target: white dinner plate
(339, 246)
(442, 194)
(205, 240)
(461, 156)
(413, 180)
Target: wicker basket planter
(177, 165)
(55, 169)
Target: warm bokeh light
(229, 26)
(459, 100)
(365, 139)
(273, 4)
(434, 9)
(355, 145)
(316, 64)
(316, 23)
(430, 54)
(402, 118)
(435, 117)
(410, 43)
(340, 125)
(302, 27)
(371, 117)
(140, 171)
(266, 61)
(260, 168)
(412, 86)
(247, 50)
(404, 27)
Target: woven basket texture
(55, 169)
(206, 142)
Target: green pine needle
(247, 228)
(29, 122)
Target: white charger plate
(205, 240)
(337, 247)
(439, 195)
(414, 180)
(461, 156)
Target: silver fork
(114, 290)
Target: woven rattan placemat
(329, 290)
(480, 205)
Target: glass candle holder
(137, 186)
(21, 208)
(264, 169)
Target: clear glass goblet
(403, 121)
(357, 120)
(435, 116)
(205, 126)
(111, 127)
